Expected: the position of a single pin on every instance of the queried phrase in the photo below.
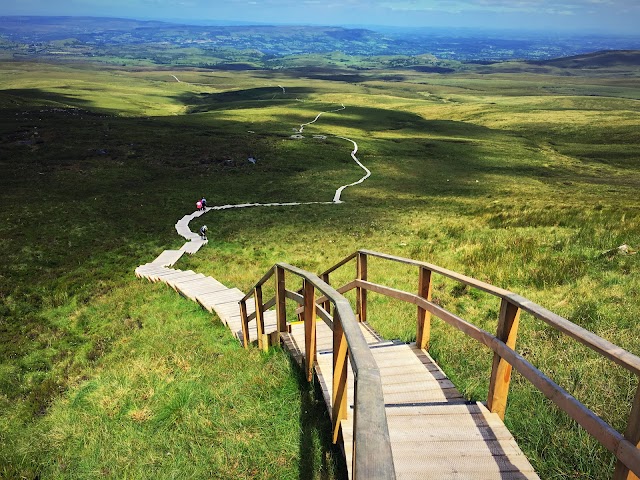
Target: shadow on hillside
(202, 102)
(340, 75)
(38, 98)
(315, 427)
(370, 119)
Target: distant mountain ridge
(599, 59)
(38, 35)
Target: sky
(604, 16)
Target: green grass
(520, 180)
(158, 393)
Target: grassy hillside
(522, 180)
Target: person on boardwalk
(199, 205)
(204, 203)
(203, 232)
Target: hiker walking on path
(203, 232)
(199, 205)
(204, 203)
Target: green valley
(521, 174)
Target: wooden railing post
(501, 369)
(339, 399)
(423, 327)
(281, 311)
(633, 435)
(263, 339)
(361, 293)
(245, 323)
(326, 305)
(309, 327)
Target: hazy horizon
(562, 16)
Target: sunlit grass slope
(520, 180)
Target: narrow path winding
(207, 291)
(418, 396)
(300, 130)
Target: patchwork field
(525, 180)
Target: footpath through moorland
(207, 291)
(425, 413)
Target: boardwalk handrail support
(372, 458)
(625, 448)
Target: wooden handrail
(626, 448)
(472, 282)
(260, 282)
(344, 289)
(320, 312)
(372, 459)
(339, 264)
(348, 336)
(266, 306)
(598, 344)
(598, 428)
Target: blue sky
(610, 16)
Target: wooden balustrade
(372, 459)
(626, 448)
(347, 338)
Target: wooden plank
(168, 257)
(423, 322)
(309, 328)
(166, 277)
(632, 434)
(449, 433)
(262, 338)
(473, 468)
(175, 281)
(339, 381)
(361, 293)
(459, 419)
(245, 326)
(399, 378)
(501, 369)
(228, 296)
(214, 295)
(151, 268)
(469, 448)
(281, 310)
(196, 277)
(208, 289)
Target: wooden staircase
(394, 411)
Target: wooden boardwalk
(434, 432)
(209, 293)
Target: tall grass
(104, 375)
